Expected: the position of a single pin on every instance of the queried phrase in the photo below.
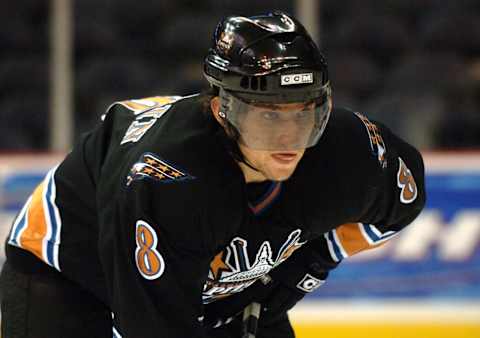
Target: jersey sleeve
(394, 195)
(156, 259)
(399, 197)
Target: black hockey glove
(278, 292)
(222, 311)
(292, 282)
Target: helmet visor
(277, 127)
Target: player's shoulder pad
(344, 171)
(399, 164)
(358, 139)
(139, 106)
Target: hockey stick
(251, 314)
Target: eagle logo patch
(233, 269)
(151, 166)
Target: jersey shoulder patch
(152, 166)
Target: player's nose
(288, 134)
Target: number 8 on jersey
(149, 261)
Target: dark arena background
(412, 64)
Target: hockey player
(175, 213)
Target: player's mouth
(285, 157)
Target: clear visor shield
(275, 127)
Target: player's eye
(270, 115)
(303, 114)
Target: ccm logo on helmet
(293, 79)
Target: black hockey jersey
(151, 214)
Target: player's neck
(250, 174)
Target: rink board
(374, 330)
(386, 319)
(424, 283)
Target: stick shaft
(251, 314)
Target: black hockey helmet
(269, 60)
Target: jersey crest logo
(151, 166)
(406, 183)
(231, 271)
(376, 141)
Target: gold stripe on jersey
(351, 238)
(140, 105)
(32, 237)
(37, 227)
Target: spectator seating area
(414, 65)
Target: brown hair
(228, 133)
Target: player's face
(279, 127)
(289, 121)
(283, 126)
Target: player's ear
(217, 114)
